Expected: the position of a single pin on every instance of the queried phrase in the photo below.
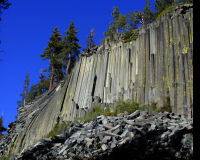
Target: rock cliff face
(157, 67)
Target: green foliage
(6, 157)
(133, 38)
(121, 108)
(90, 42)
(34, 92)
(4, 4)
(129, 36)
(58, 51)
(147, 14)
(70, 41)
(24, 94)
(161, 5)
(166, 106)
(149, 108)
(97, 111)
(166, 10)
(119, 23)
(107, 111)
(165, 6)
(110, 31)
(129, 106)
(43, 83)
(189, 1)
(58, 129)
(38, 89)
(115, 15)
(1, 126)
(52, 52)
(70, 50)
(132, 20)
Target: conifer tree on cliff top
(119, 20)
(70, 47)
(147, 14)
(1, 126)
(115, 16)
(52, 52)
(24, 94)
(119, 23)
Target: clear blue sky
(26, 27)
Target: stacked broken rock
(136, 136)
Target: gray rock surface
(171, 138)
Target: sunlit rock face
(157, 67)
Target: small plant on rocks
(59, 127)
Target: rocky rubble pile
(135, 136)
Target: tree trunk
(52, 78)
(24, 101)
(68, 65)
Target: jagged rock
(134, 114)
(159, 142)
(104, 147)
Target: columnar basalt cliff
(157, 67)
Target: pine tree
(147, 13)
(119, 20)
(90, 42)
(43, 83)
(34, 92)
(1, 126)
(4, 4)
(25, 90)
(24, 94)
(119, 23)
(133, 20)
(110, 31)
(115, 16)
(160, 5)
(39, 88)
(52, 52)
(70, 47)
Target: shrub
(167, 10)
(107, 111)
(129, 36)
(59, 128)
(96, 111)
(6, 157)
(166, 106)
(129, 106)
(149, 108)
(120, 107)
